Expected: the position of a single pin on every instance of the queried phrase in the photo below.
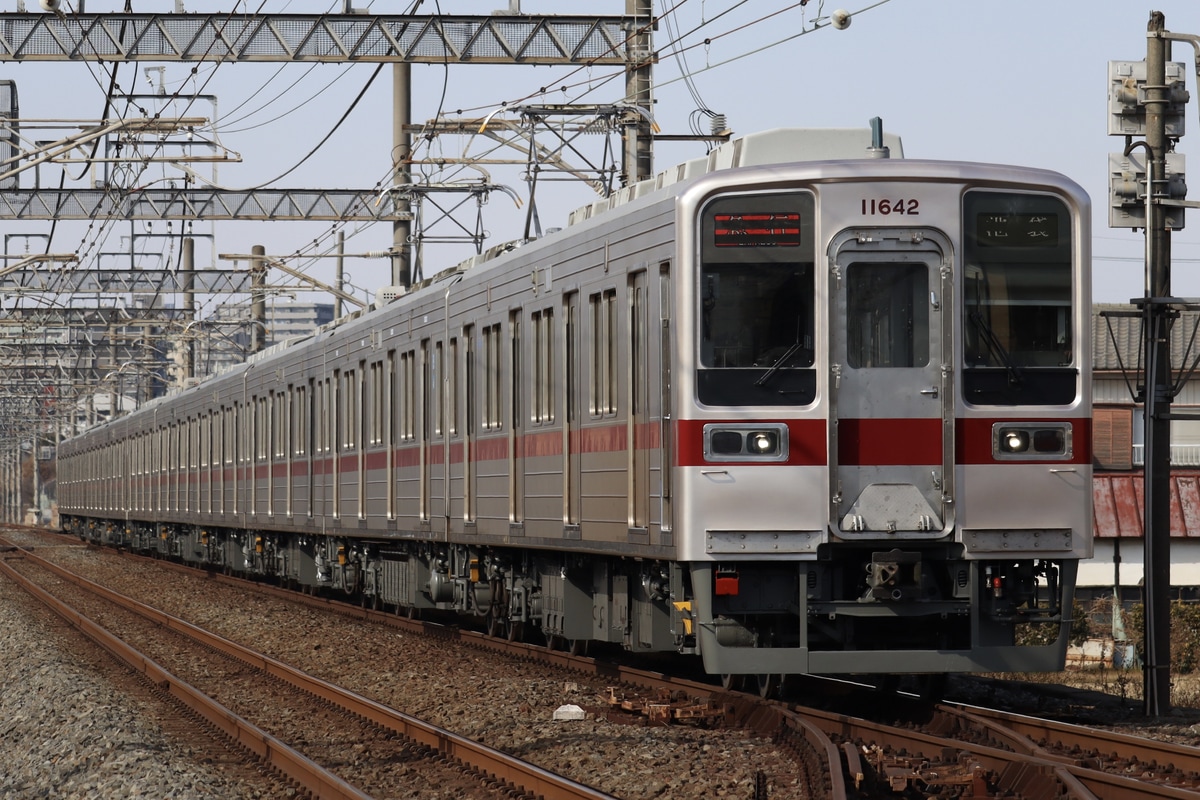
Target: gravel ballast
(68, 730)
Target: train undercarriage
(854, 612)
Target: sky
(1017, 82)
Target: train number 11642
(872, 207)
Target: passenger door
(891, 435)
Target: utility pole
(402, 257)
(1157, 314)
(639, 143)
(1147, 190)
(258, 300)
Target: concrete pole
(639, 142)
(258, 299)
(340, 275)
(1157, 411)
(401, 175)
(188, 268)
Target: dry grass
(1126, 684)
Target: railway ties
(322, 740)
(841, 753)
(949, 751)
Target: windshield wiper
(766, 376)
(995, 348)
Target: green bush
(1046, 633)
(1185, 634)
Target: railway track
(263, 705)
(935, 751)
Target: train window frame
(375, 406)
(452, 405)
(602, 356)
(493, 366)
(469, 378)
(765, 257)
(436, 406)
(1012, 294)
(542, 397)
(406, 378)
(891, 329)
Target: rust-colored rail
(527, 777)
(815, 754)
(276, 755)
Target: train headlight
(745, 442)
(1031, 440)
(763, 443)
(1015, 441)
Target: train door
(891, 432)
(516, 431)
(424, 427)
(237, 446)
(639, 402)
(337, 430)
(310, 442)
(270, 409)
(665, 455)
(470, 424)
(358, 447)
(570, 414)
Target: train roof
(775, 146)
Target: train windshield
(755, 300)
(1018, 300)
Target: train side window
(375, 387)
(387, 396)
(452, 368)
(436, 402)
(469, 380)
(1017, 308)
(283, 423)
(542, 399)
(755, 299)
(351, 405)
(407, 393)
(516, 374)
(603, 355)
(299, 417)
(492, 369)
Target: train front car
(883, 433)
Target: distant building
(227, 339)
(1117, 445)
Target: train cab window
(755, 300)
(1018, 308)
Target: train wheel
(516, 631)
(768, 684)
(888, 683)
(933, 687)
(577, 647)
(495, 624)
(731, 682)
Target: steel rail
(319, 782)
(741, 710)
(489, 761)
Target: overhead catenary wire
(589, 85)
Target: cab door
(891, 432)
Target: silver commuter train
(790, 408)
